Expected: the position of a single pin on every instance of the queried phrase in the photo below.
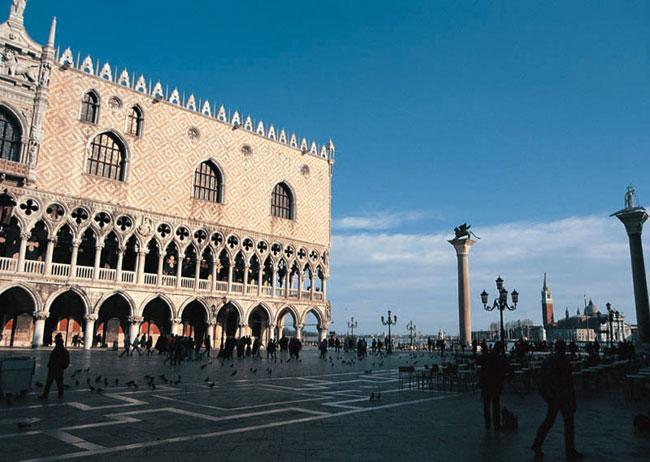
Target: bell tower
(547, 305)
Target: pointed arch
(90, 104)
(162, 297)
(191, 300)
(77, 290)
(317, 314)
(135, 121)
(11, 135)
(282, 312)
(122, 294)
(208, 182)
(283, 201)
(108, 156)
(31, 292)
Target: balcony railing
(104, 275)
(8, 264)
(128, 276)
(107, 274)
(85, 272)
(151, 279)
(61, 269)
(168, 281)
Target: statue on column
(629, 197)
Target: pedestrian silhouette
(558, 392)
(494, 372)
(58, 362)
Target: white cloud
(376, 221)
(415, 274)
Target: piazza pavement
(301, 410)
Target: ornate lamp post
(352, 324)
(501, 303)
(411, 328)
(610, 318)
(391, 321)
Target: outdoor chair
(405, 376)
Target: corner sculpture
(462, 242)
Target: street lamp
(411, 328)
(352, 324)
(501, 303)
(610, 318)
(391, 321)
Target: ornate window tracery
(282, 202)
(208, 182)
(90, 108)
(135, 121)
(10, 135)
(107, 157)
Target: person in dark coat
(559, 393)
(494, 372)
(58, 362)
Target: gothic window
(107, 157)
(10, 134)
(90, 107)
(282, 202)
(208, 183)
(135, 121)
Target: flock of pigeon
(101, 382)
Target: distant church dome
(591, 309)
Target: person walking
(56, 365)
(559, 393)
(494, 372)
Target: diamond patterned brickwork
(162, 162)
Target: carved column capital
(91, 317)
(41, 315)
(135, 319)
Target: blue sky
(526, 119)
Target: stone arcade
(129, 208)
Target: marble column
(139, 277)
(230, 270)
(120, 260)
(274, 282)
(197, 273)
(89, 331)
(462, 247)
(260, 276)
(73, 260)
(633, 219)
(49, 253)
(161, 260)
(177, 326)
(272, 328)
(39, 328)
(246, 268)
(322, 334)
(24, 237)
(179, 271)
(299, 328)
(134, 328)
(98, 256)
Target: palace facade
(127, 207)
